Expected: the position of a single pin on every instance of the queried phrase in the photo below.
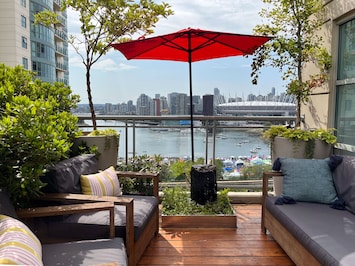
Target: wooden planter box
(199, 221)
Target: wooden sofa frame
(294, 249)
(27, 214)
(135, 249)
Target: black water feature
(203, 183)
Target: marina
(174, 142)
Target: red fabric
(203, 45)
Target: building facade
(333, 106)
(41, 49)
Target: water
(229, 142)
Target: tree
(36, 130)
(294, 25)
(104, 22)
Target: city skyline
(175, 103)
(115, 79)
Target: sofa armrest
(266, 177)
(70, 209)
(153, 176)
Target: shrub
(36, 130)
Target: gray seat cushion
(95, 225)
(88, 252)
(329, 234)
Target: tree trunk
(88, 88)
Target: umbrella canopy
(191, 45)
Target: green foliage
(297, 134)
(36, 129)
(104, 132)
(219, 169)
(254, 172)
(177, 201)
(181, 169)
(105, 22)
(294, 25)
(143, 163)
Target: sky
(114, 79)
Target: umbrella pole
(191, 116)
(191, 106)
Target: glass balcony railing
(231, 142)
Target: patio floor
(246, 245)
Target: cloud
(123, 66)
(220, 15)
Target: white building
(35, 47)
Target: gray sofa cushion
(64, 177)
(344, 180)
(329, 234)
(95, 225)
(6, 206)
(87, 252)
(308, 180)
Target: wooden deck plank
(245, 245)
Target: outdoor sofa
(65, 184)
(314, 218)
(20, 246)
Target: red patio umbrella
(191, 45)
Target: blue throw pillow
(308, 180)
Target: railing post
(126, 130)
(134, 137)
(206, 141)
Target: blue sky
(116, 80)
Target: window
(24, 42)
(23, 21)
(25, 62)
(23, 3)
(345, 89)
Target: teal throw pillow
(308, 180)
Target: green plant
(176, 201)
(181, 169)
(296, 135)
(106, 132)
(36, 130)
(143, 163)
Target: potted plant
(104, 143)
(178, 210)
(300, 143)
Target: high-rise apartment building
(36, 47)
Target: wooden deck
(246, 245)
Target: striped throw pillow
(104, 183)
(18, 245)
